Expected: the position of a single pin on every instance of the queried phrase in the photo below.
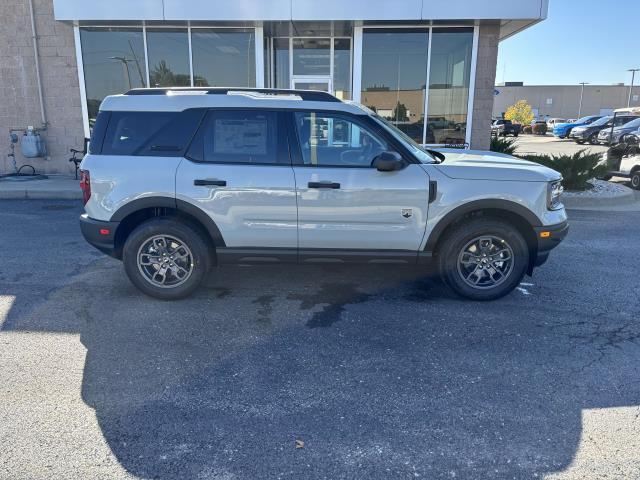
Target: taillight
(85, 185)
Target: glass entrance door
(313, 63)
(312, 83)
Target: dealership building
(426, 65)
(565, 101)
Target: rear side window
(240, 136)
(165, 134)
(98, 132)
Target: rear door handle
(323, 185)
(202, 182)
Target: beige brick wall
(485, 84)
(19, 104)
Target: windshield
(406, 140)
(632, 124)
(585, 120)
(601, 121)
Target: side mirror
(388, 162)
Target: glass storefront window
(223, 57)
(450, 74)
(312, 56)
(282, 77)
(342, 68)
(394, 76)
(113, 60)
(168, 53)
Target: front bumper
(548, 238)
(579, 135)
(100, 234)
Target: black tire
(516, 134)
(593, 139)
(580, 142)
(198, 260)
(460, 236)
(635, 180)
(606, 178)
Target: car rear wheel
(483, 259)
(166, 258)
(635, 180)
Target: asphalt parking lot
(550, 145)
(376, 373)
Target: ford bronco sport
(178, 181)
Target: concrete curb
(26, 194)
(52, 188)
(581, 200)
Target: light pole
(633, 77)
(125, 68)
(581, 94)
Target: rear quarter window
(165, 134)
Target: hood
(481, 165)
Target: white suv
(178, 181)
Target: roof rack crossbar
(309, 95)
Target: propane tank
(32, 144)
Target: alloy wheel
(485, 262)
(165, 261)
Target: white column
(426, 90)
(472, 83)
(83, 89)
(190, 53)
(357, 64)
(146, 55)
(259, 34)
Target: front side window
(239, 136)
(335, 140)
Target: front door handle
(203, 182)
(323, 185)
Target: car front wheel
(593, 139)
(635, 180)
(166, 258)
(483, 258)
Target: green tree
(520, 112)
(400, 113)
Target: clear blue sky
(593, 41)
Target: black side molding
(206, 183)
(333, 185)
(433, 190)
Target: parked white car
(552, 122)
(628, 166)
(177, 181)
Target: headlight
(554, 191)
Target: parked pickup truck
(502, 128)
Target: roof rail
(309, 95)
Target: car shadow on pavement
(381, 373)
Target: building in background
(427, 66)
(563, 101)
